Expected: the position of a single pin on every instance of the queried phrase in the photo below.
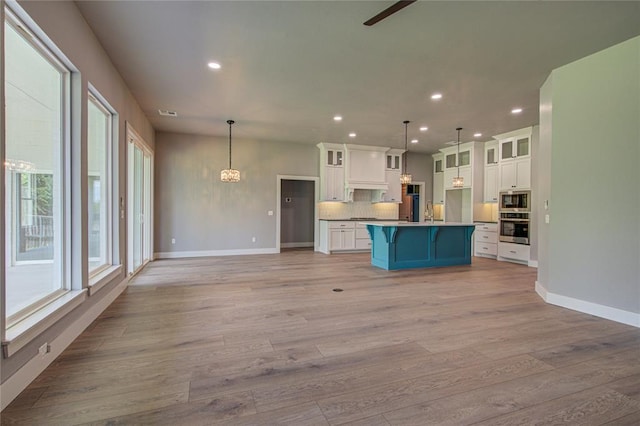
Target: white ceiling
(289, 66)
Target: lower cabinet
(345, 235)
(485, 240)
(363, 241)
(519, 253)
(342, 239)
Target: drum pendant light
(405, 177)
(230, 175)
(458, 181)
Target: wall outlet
(546, 218)
(270, 212)
(253, 239)
(173, 241)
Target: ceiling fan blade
(388, 11)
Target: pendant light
(230, 175)
(458, 181)
(405, 178)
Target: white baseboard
(296, 245)
(15, 384)
(533, 263)
(595, 309)
(213, 253)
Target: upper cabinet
(515, 159)
(346, 168)
(458, 163)
(438, 178)
(515, 147)
(491, 172)
(331, 172)
(392, 176)
(334, 157)
(394, 159)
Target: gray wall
(421, 168)
(65, 26)
(535, 217)
(594, 233)
(297, 207)
(204, 214)
(543, 178)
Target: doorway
(139, 200)
(296, 217)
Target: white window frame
(98, 101)
(17, 334)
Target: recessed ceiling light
(414, 140)
(337, 118)
(436, 96)
(424, 128)
(477, 135)
(352, 135)
(214, 65)
(516, 111)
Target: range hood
(375, 191)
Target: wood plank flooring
(264, 340)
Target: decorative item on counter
(230, 175)
(405, 177)
(458, 181)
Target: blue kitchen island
(405, 245)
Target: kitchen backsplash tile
(333, 210)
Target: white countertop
(417, 224)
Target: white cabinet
(333, 188)
(485, 240)
(465, 173)
(438, 178)
(342, 239)
(458, 163)
(363, 241)
(515, 147)
(392, 176)
(491, 184)
(339, 235)
(491, 172)
(518, 253)
(394, 193)
(491, 153)
(331, 172)
(515, 174)
(515, 159)
(394, 159)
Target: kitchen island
(404, 245)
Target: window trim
(18, 324)
(93, 96)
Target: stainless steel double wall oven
(515, 212)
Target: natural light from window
(98, 148)
(35, 90)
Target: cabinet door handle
(511, 251)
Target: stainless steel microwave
(515, 201)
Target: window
(100, 194)
(37, 99)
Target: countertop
(361, 219)
(416, 224)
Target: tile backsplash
(360, 207)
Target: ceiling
(289, 66)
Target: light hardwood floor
(263, 340)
